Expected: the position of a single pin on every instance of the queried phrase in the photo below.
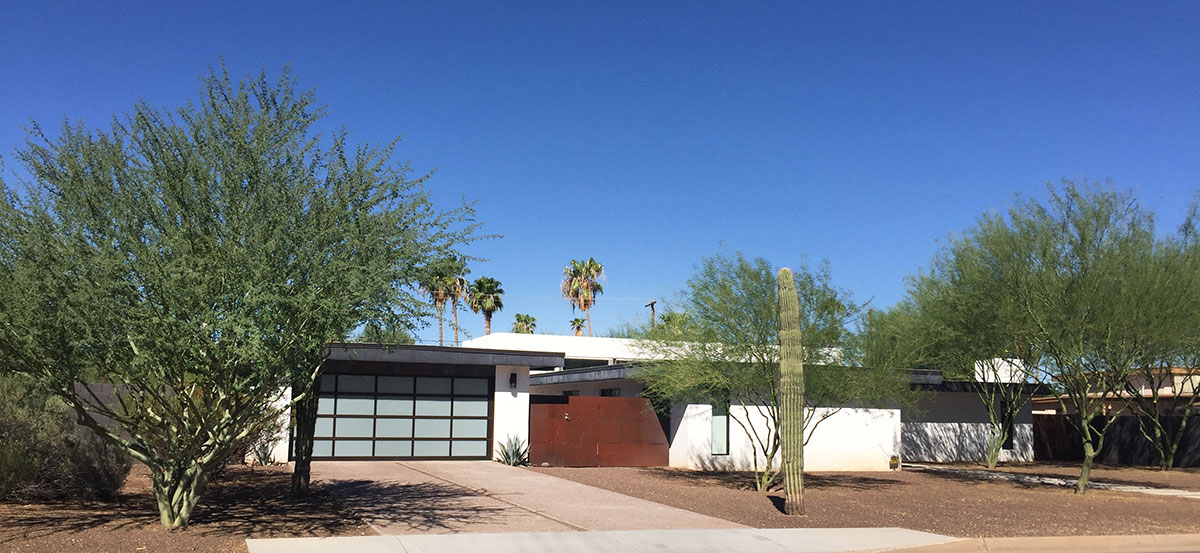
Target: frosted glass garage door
(398, 417)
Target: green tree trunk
(997, 442)
(176, 491)
(791, 392)
(304, 416)
(1089, 454)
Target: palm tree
(577, 325)
(581, 285)
(524, 324)
(438, 289)
(439, 285)
(485, 297)
(460, 290)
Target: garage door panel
(358, 384)
(431, 428)
(352, 448)
(394, 406)
(430, 448)
(322, 448)
(471, 407)
(470, 428)
(356, 406)
(471, 386)
(325, 406)
(354, 428)
(393, 448)
(472, 448)
(433, 385)
(393, 428)
(324, 428)
(433, 406)
(328, 383)
(396, 385)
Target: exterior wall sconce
(894, 462)
(512, 380)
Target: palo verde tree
(1092, 300)
(973, 327)
(1163, 389)
(169, 276)
(723, 349)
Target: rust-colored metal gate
(597, 432)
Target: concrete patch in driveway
(440, 497)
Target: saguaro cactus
(791, 393)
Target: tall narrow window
(720, 429)
(1006, 420)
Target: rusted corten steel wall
(597, 432)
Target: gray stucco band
(590, 374)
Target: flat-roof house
(950, 423)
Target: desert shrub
(513, 451)
(45, 455)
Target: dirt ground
(1178, 478)
(243, 503)
(920, 501)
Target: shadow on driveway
(421, 507)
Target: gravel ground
(935, 503)
(244, 503)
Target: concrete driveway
(444, 497)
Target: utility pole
(651, 306)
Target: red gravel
(920, 501)
(244, 503)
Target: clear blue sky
(648, 134)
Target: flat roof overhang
(586, 374)
(440, 355)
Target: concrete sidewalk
(440, 497)
(746, 540)
(1163, 543)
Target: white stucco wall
(849, 440)
(510, 407)
(279, 454)
(953, 427)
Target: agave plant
(513, 451)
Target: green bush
(45, 455)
